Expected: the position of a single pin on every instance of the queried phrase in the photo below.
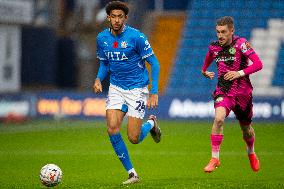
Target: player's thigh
(244, 110)
(114, 117)
(115, 99)
(115, 109)
(220, 113)
(223, 106)
(134, 128)
(136, 100)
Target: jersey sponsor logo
(245, 47)
(225, 59)
(118, 56)
(123, 44)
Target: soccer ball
(50, 175)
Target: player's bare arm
(98, 86)
(153, 101)
(207, 74)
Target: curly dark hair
(117, 5)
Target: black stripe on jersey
(224, 85)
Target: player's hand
(231, 75)
(209, 75)
(152, 101)
(98, 86)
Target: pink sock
(250, 144)
(216, 141)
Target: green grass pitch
(84, 153)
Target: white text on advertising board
(71, 107)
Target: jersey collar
(123, 30)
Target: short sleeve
(143, 46)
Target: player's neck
(116, 33)
(228, 43)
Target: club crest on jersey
(232, 50)
(123, 44)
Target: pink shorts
(240, 105)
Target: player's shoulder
(214, 46)
(103, 34)
(135, 33)
(240, 40)
(242, 43)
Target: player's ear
(125, 18)
(108, 18)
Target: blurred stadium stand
(167, 5)
(48, 55)
(58, 45)
(252, 18)
(278, 79)
(166, 46)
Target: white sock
(250, 150)
(152, 123)
(215, 155)
(132, 171)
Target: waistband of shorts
(117, 87)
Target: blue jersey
(125, 56)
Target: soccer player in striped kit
(123, 52)
(234, 90)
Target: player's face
(224, 34)
(117, 19)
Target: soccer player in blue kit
(123, 51)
